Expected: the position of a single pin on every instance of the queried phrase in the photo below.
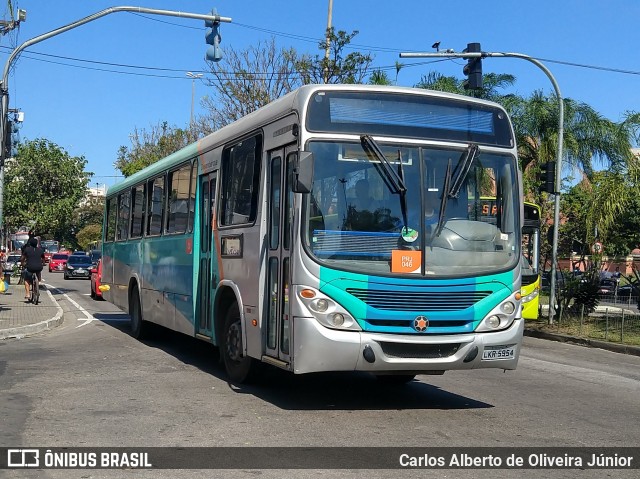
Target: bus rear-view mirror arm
(302, 180)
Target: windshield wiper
(462, 169)
(443, 200)
(394, 181)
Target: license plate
(80, 271)
(499, 352)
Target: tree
(246, 80)
(89, 213)
(336, 67)
(149, 146)
(43, 186)
(88, 234)
(492, 83)
(379, 77)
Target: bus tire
(239, 368)
(139, 327)
(395, 379)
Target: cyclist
(33, 260)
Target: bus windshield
(354, 221)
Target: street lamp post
(193, 77)
(4, 85)
(558, 172)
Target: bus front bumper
(317, 348)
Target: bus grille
(419, 300)
(418, 351)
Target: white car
(12, 260)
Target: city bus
(530, 254)
(252, 239)
(531, 261)
(18, 239)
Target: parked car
(12, 260)
(78, 266)
(628, 290)
(96, 277)
(57, 262)
(607, 286)
(95, 255)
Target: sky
(89, 88)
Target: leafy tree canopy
(89, 234)
(43, 186)
(149, 146)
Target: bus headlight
(531, 296)
(502, 316)
(338, 320)
(493, 322)
(325, 310)
(508, 307)
(321, 305)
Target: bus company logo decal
(420, 324)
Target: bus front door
(278, 324)
(208, 266)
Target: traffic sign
(597, 247)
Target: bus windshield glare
(354, 220)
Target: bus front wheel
(139, 328)
(240, 368)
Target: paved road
(88, 383)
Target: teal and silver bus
(256, 239)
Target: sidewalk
(18, 318)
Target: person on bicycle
(33, 260)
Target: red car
(57, 262)
(96, 276)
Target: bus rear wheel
(239, 368)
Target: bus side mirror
(302, 177)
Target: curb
(593, 343)
(22, 331)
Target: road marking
(89, 317)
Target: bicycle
(35, 289)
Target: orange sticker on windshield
(405, 261)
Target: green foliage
(43, 185)
(149, 146)
(336, 67)
(492, 83)
(88, 234)
(579, 293)
(379, 77)
(89, 213)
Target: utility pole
(7, 26)
(558, 172)
(327, 48)
(4, 86)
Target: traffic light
(473, 69)
(11, 139)
(548, 177)
(14, 128)
(213, 38)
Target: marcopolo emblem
(420, 324)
